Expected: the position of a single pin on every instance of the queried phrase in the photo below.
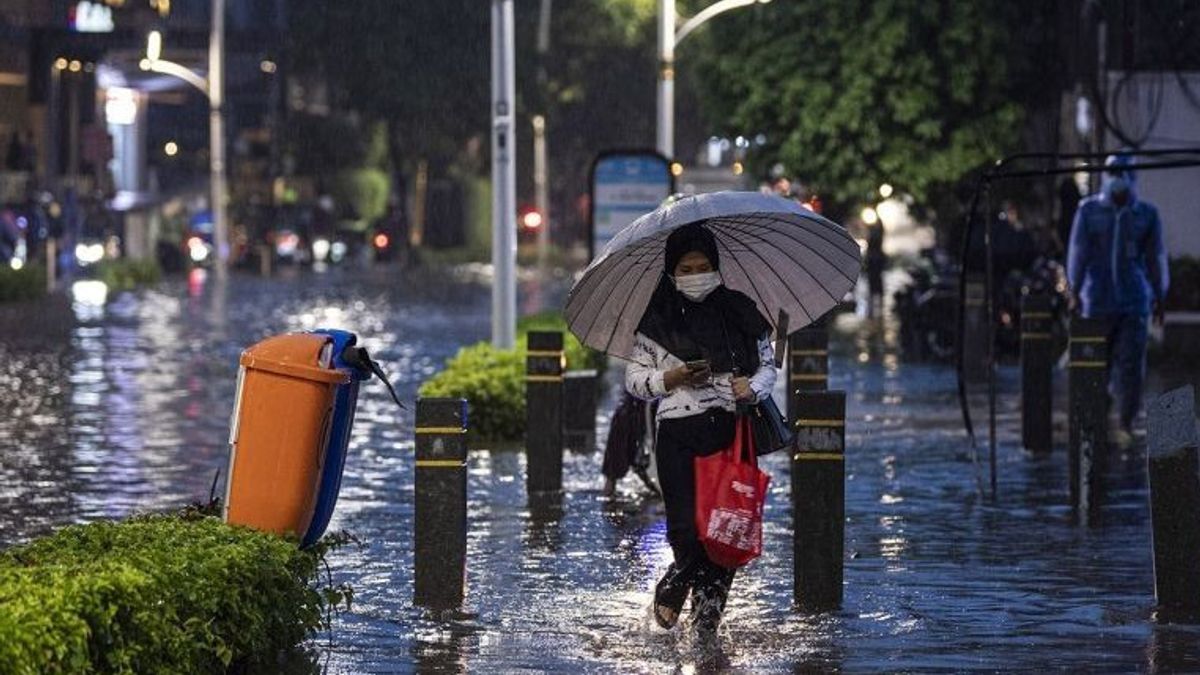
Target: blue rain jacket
(1116, 261)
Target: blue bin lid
(341, 340)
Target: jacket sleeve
(763, 381)
(1077, 253)
(644, 375)
(1156, 257)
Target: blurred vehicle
(530, 222)
(927, 307)
(198, 239)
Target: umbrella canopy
(780, 254)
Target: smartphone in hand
(698, 365)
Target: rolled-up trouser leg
(1128, 372)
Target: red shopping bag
(730, 493)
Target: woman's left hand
(741, 389)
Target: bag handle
(743, 442)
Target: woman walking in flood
(700, 349)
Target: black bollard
(818, 500)
(543, 412)
(440, 508)
(975, 330)
(581, 393)
(1037, 373)
(1088, 414)
(1174, 469)
(808, 364)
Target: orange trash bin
(279, 431)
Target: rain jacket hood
(1116, 261)
(1119, 176)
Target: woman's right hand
(677, 377)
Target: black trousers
(680, 441)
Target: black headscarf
(724, 328)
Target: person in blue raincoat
(1117, 268)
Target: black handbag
(770, 429)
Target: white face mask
(696, 287)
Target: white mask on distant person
(696, 287)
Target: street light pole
(216, 125)
(665, 141)
(213, 87)
(668, 39)
(504, 177)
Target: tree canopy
(854, 93)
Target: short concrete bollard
(1088, 413)
(1037, 373)
(808, 364)
(976, 331)
(440, 508)
(543, 412)
(818, 500)
(581, 394)
(1174, 469)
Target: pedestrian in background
(694, 346)
(876, 264)
(1117, 269)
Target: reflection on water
(130, 412)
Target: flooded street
(130, 411)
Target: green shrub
(127, 274)
(160, 593)
(27, 283)
(493, 380)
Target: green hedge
(493, 380)
(27, 283)
(127, 274)
(160, 593)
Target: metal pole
(504, 196)
(216, 92)
(665, 141)
(991, 347)
(540, 197)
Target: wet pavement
(120, 406)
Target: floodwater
(122, 404)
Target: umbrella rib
(769, 267)
(820, 255)
(628, 298)
(804, 223)
(750, 279)
(838, 243)
(634, 257)
(734, 221)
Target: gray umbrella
(780, 254)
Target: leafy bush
(493, 380)
(127, 274)
(159, 593)
(362, 194)
(27, 283)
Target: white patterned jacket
(644, 379)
